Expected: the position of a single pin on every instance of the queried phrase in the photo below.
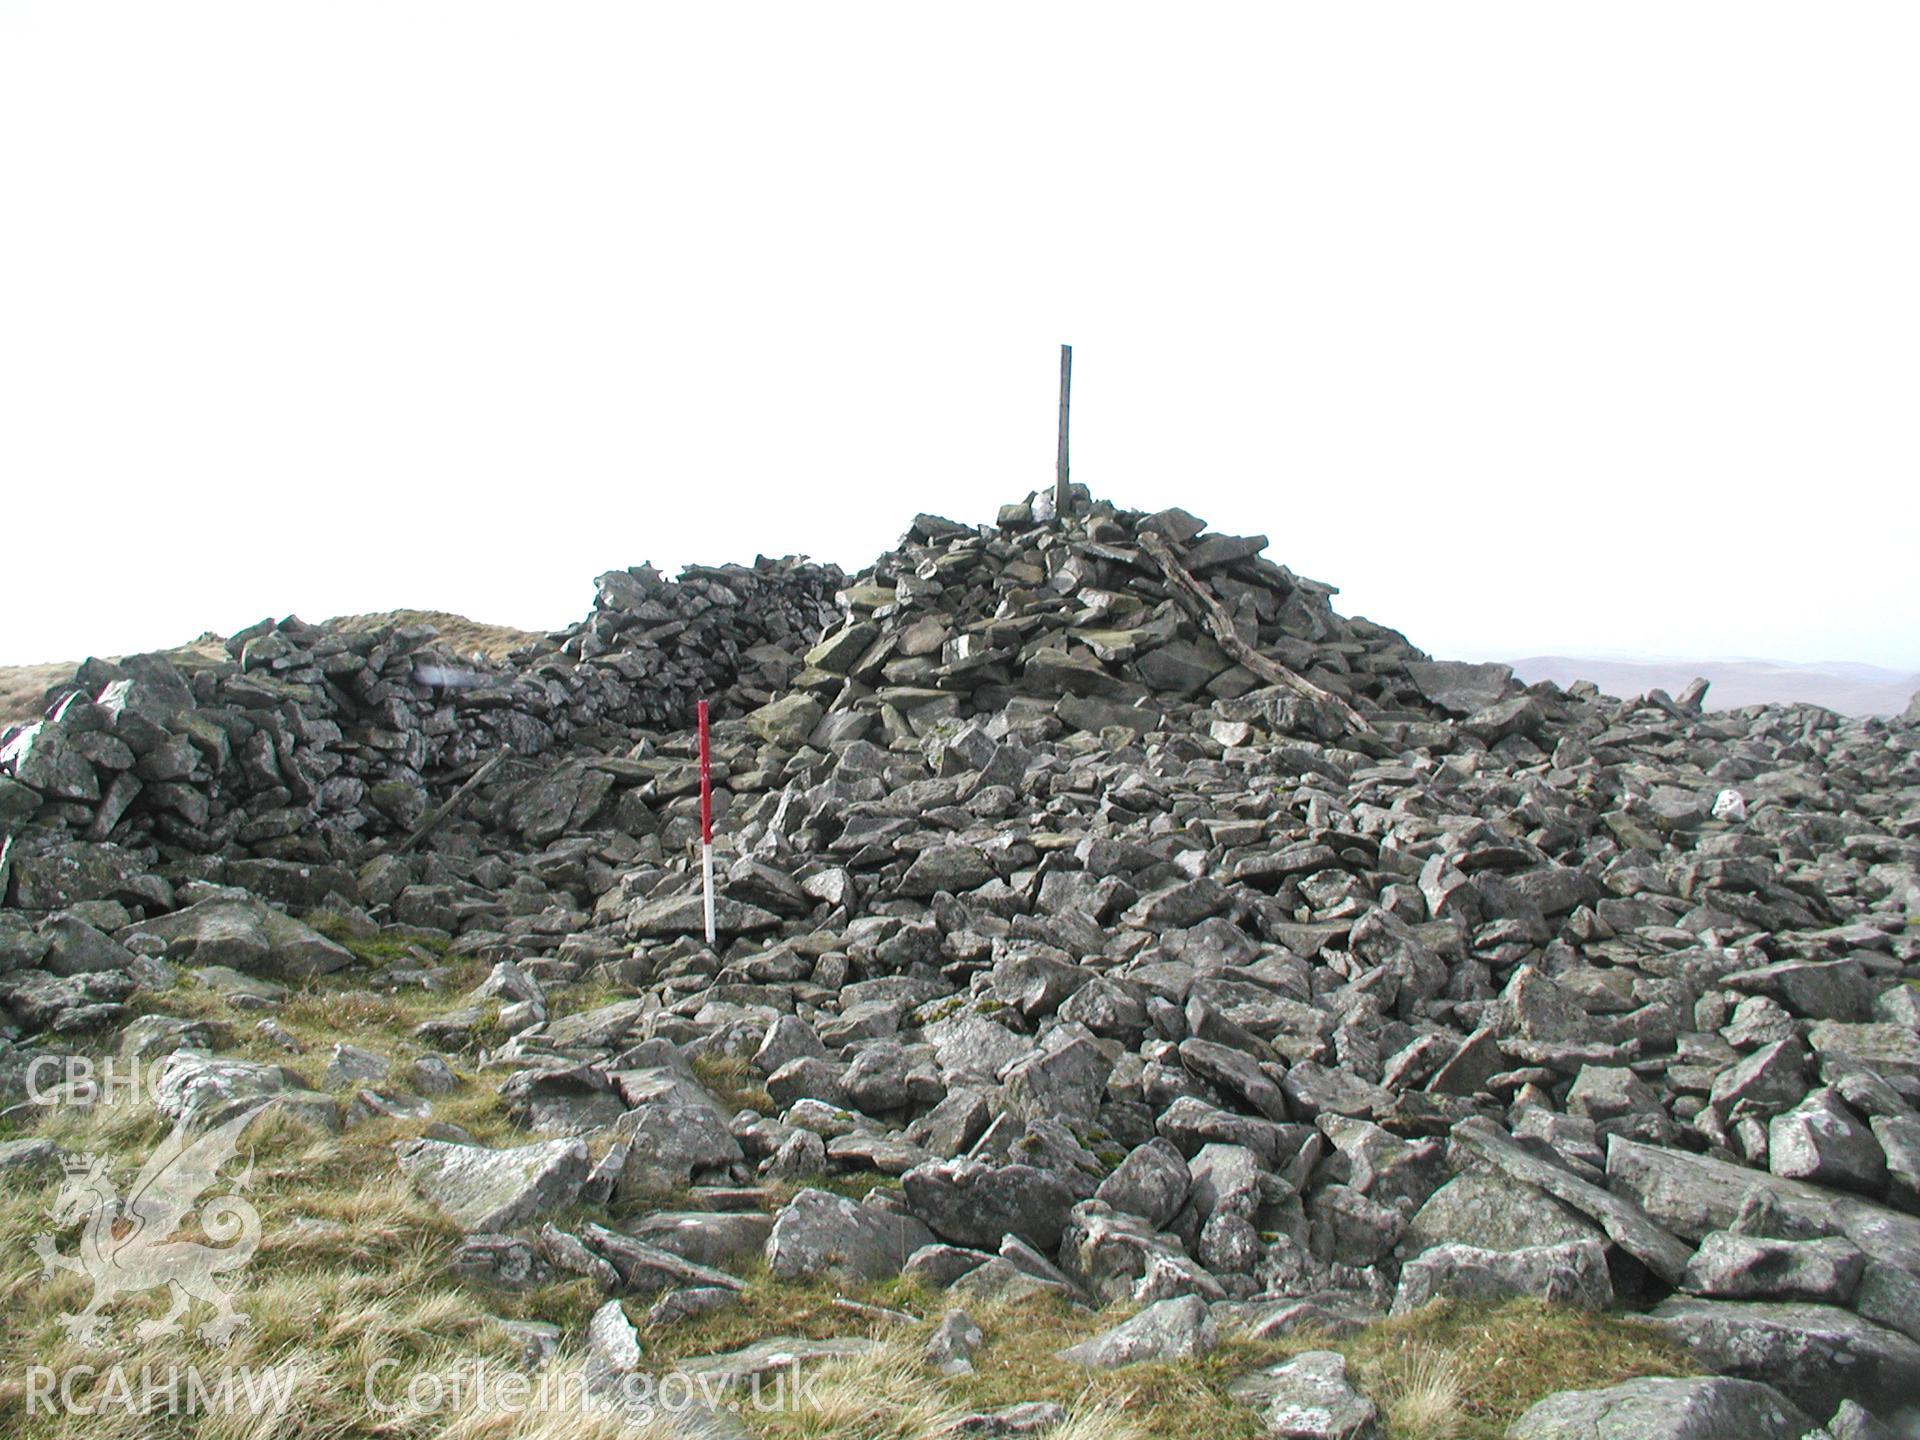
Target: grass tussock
(1422, 1395)
(350, 1281)
(884, 1395)
(1099, 1422)
(734, 1082)
(317, 1014)
(1501, 1360)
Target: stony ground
(23, 688)
(1146, 1003)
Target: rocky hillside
(1146, 1003)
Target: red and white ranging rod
(706, 820)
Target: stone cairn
(1172, 938)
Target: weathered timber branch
(1221, 623)
(438, 817)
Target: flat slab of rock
(686, 915)
(1746, 1267)
(820, 1233)
(24, 1161)
(201, 1088)
(1711, 1408)
(494, 1190)
(734, 1368)
(705, 1237)
(975, 1203)
(1572, 1274)
(1890, 1049)
(1459, 687)
(1813, 1354)
(1492, 1212)
(647, 1269)
(1695, 1195)
(1624, 1222)
(1179, 1329)
(243, 935)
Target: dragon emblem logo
(127, 1245)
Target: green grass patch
(734, 1082)
(386, 948)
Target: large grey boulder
(972, 1202)
(1492, 1212)
(787, 721)
(76, 948)
(192, 1086)
(1899, 1137)
(1812, 1353)
(1747, 1267)
(1460, 688)
(494, 1190)
(970, 1047)
(246, 936)
(1771, 1079)
(668, 1143)
(1572, 1274)
(686, 915)
(1710, 1408)
(41, 757)
(820, 1233)
(1698, 1194)
(573, 1100)
(1236, 1073)
(1624, 1222)
(952, 868)
(1152, 1182)
(1060, 1081)
(1811, 989)
(1823, 1141)
(1892, 1049)
(647, 1269)
(21, 944)
(1853, 1421)
(788, 1038)
(1106, 1252)
(1178, 1329)
(706, 1237)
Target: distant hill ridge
(1845, 686)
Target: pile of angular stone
(728, 635)
(309, 742)
(1171, 938)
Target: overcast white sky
(1534, 327)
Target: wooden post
(1060, 469)
(433, 821)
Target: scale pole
(706, 820)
